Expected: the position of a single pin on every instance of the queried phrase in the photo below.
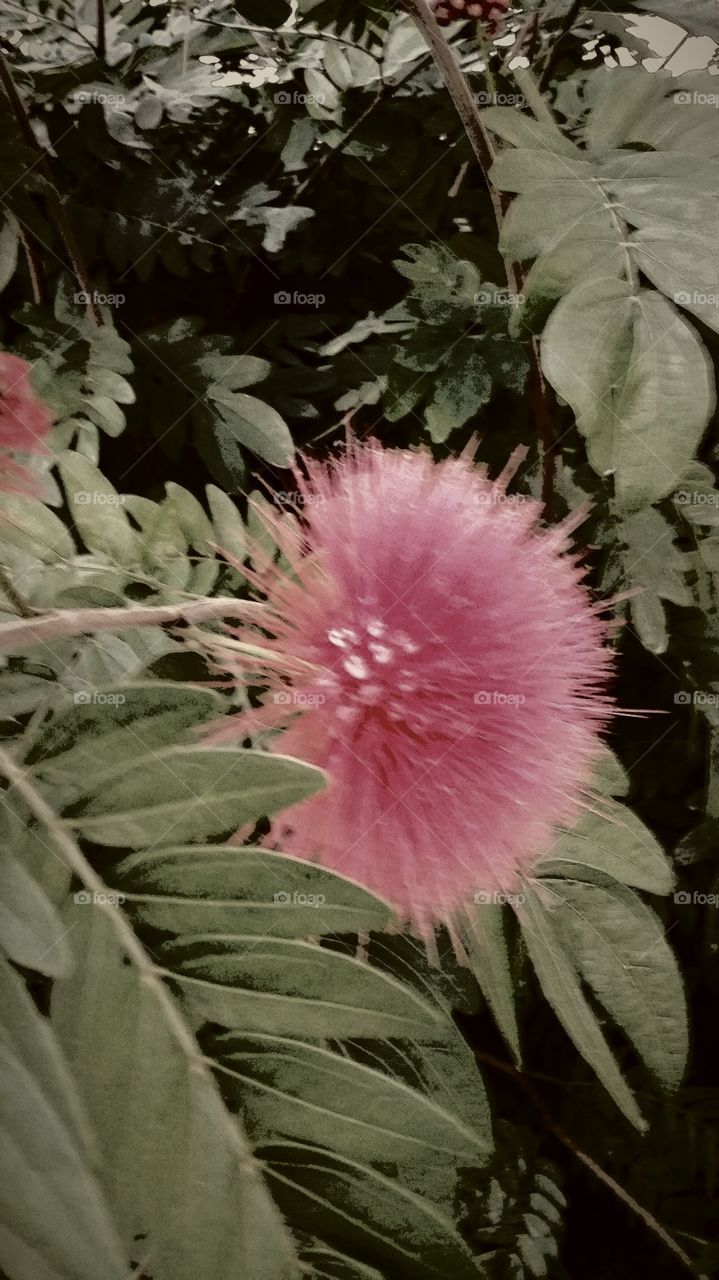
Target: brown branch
(101, 45)
(56, 205)
(34, 263)
(75, 622)
(567, 1141)
(481, 143)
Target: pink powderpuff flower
(24, 424)
(437, 654)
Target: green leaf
(230, 534)
(109, 727)
(191, 793)
(523, 131)
(460, 391)
(631, 369)
(32, 527)
(177, 1168)
(356, 1208)
(563, 992)
(485, 939)
(615, 842)
(96, 510)
(55, 1222)
(256, 425)
(303, 1091)
(227, 888)
(31, 933)
(9, 244)
(294, 988)
(618, 947)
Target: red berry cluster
(490, 12)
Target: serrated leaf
(230, 534)
(303, 1091)
(256, 425)
(9, 243)
(227, 888)
(356, 1208)
(563, 992)
(631, 369)
(191, 793)
(459, 392)
(615, 842)
(31, 933)
(294, 988)
(96, 510)
(111, 726)
(486, 943)
(177, 1167)
(618, 947)
(55, 1222)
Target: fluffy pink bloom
(439, 656)
(24, 424)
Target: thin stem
(100, 26)
(481, 143)
(67, 848)
(76, 622)
(286, 31)
(56, 206)
(556, 49)
(562, 1136)
(18, 602)
(34, 264)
